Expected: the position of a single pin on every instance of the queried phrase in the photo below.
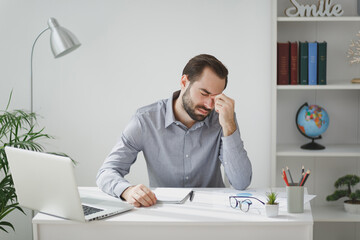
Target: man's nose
(210, 102)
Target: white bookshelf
(343, 85)
(319, 19)
(334, 150)
(342, 152)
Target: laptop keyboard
(90, 210)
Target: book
(321, 66)
(283, 67)
(312, 66)
(293, 63)
(172, 195)
(303, 63)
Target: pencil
(301, 178)
(285, 179)
(283, 170)
(291, 179)
(305, 178)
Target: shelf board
(331, 86)
(319, 19)
(334, 213)
(339, 150)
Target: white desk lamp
(62, 42)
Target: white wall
(132, 54)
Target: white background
(132, 54)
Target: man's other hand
(225, 107)
(139, 195)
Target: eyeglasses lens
(245, 205)
(233, 202)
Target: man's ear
(184, 81)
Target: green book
(303, 63)
(322, 49)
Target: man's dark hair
(195, 67)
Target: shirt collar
(170, 117)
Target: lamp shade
(62, 41)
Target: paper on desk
(172, 195)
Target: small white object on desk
(172, 195)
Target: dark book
(303, 63)
(321, 67)
(293, 63)
(283, 63)
(312, 63)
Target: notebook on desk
(173, 195)
(46, 183)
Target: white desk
(192, 220)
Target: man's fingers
(139, 195)
(222, 97)
(149, 193)
(134, 202)
(143, 199)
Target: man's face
(198, 99)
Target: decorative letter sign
(324, 8)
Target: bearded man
(184, 139)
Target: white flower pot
(272, 210)
(352, 208)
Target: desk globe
(312, 121)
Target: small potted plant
(271, 206)
(352, 204)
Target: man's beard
(190, 108)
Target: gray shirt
(175, 155)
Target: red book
(283, 63)
(293, 63)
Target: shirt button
(187, 177)
(186, 155)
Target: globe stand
(313, 145)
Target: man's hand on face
(225, 107)
(139, 195)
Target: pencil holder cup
(295, 199)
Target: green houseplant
(17, 129)
(352, 204)
(271, 206)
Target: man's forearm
(111, 182)
(236, 163)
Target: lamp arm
(31, 71)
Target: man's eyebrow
(207, 92)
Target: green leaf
(7, 224)
(8, 104)
(337, 195)
(347, 180)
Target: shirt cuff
(232, 141)
(120, 188)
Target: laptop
(46, 183)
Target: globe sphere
(312, 121)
